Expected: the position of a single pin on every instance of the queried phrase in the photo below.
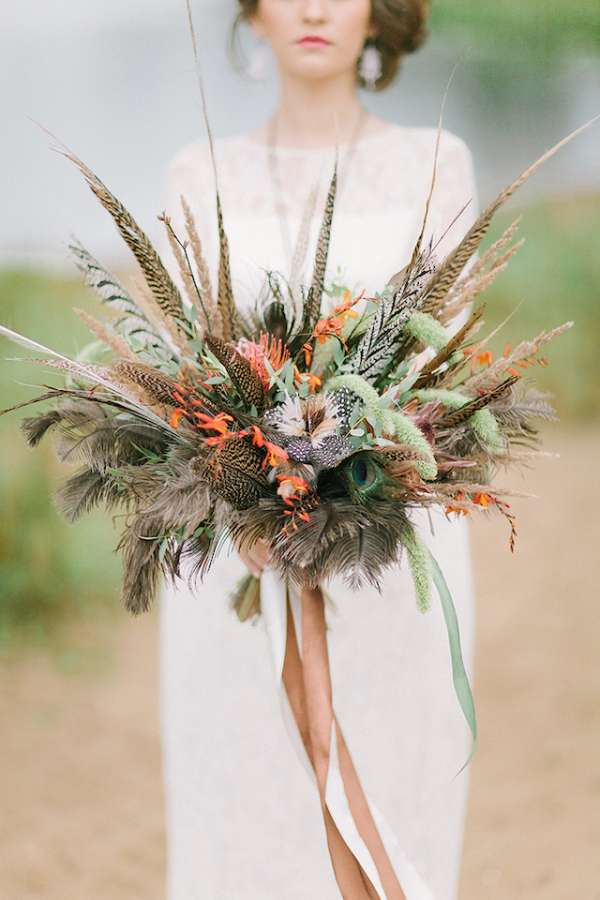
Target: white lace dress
(243, 821)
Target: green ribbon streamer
(459, 675)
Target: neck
(312, 114)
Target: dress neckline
(314, 151)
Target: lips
(313, 40)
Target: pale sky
(67, 16)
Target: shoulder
(195, 155)
(424, 138)
(188, 159)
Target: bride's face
(314, 38)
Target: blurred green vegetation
(523, 24)
(557, 276)
(51, 573)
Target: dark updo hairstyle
(401, 29)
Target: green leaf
(459, 675)
(338, 353)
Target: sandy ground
(82, 806)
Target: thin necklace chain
(280, 206)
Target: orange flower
(345, 307)
(291, 487)
(178, 396)
(313, 381)
(459, 510)
(331, 326)
(275, 454)
(175, 416)
(216, 423)
(258, 438)
(268, 348)
(485, 358)
(274, 349)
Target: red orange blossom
(331, 326)
(274, 456)
(485, 358)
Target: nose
(314, 11)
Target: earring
(369, 66)
(258, 64)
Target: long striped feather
(97, 374)
(214, 325)
(225, 299)
(457, 416)
(312, 307)
(159, 281)
(418, 245)
(375, 350)
(447, 273)
(132, 321)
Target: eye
(363, 473)
(360, 471)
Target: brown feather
(447, 273)
(464, 295)
(243, 376)
(300, 251)
(140, 544)
(157, 386)
(231, 328)
(401, 276)
(215, 324)
(114, 341)
(144, 298)
(446, 352)
(159, 281)
(237, 473)
(458, 416)
(487, 258)
(186, 272)
(312, 306)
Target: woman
(243, 822)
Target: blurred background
(80, 759)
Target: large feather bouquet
(316, 430)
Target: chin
(315, 67)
